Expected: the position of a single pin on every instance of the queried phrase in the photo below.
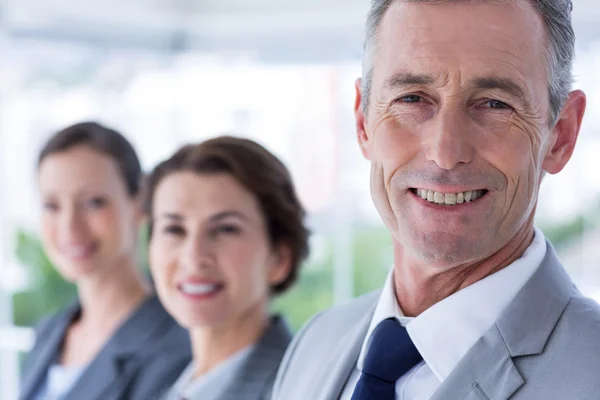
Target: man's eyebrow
(504, 84)
(407, 79)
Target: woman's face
(210, 254)
(89, 221)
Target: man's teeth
(199, 288)
(449, 199)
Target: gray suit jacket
(254, 379)
(544, 346)
(144, 356)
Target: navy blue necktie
(391, 354)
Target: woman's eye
(50, 206)
(96, 202)
(174, 230)
(226, 229)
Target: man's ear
(360, 117)
(565, 133)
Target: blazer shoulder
(584, 311)
(569, 364)
(173, 334)
(339, 318)
(575, 336)
(169, 334)
(318, 336)
(255, 378)
(158, 369)
(49, 323)
(47, 338)
(157, 376)
(58, 318)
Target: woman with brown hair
(116, 341)
(227, 233)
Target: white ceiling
(273, 29)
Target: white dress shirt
(445, 332)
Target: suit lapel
(261, 366)
(335, 371)
(113, 367)
(107, 371)
(487, 371)
(47, 353)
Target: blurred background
(166, 72)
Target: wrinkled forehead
(486, 38)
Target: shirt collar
(445, 332)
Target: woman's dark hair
(260, 172)
(104, 140)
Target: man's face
(458, 128)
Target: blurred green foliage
(49, 291)
(561, 234)
(371, 259)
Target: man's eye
(411, 98)
(497, 104)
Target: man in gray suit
(463, 107)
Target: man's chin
(446, 250)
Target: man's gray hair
(559, 57)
